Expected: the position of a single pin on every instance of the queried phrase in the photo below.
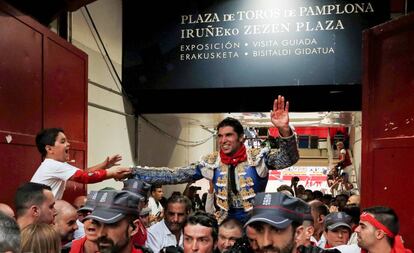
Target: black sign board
(240, 44)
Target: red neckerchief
(398, 246)
(328, 246)
(236, 158)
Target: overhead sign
(244, 43)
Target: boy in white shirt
(55, 171)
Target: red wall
(43, 83)
(388, 122)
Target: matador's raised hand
(279, 116)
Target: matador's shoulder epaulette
(254, 155)
(210, 159)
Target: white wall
(108, 131)
(113, 133)
(158, 143)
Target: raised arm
(279, 116)
(286, 156)
(288, 153)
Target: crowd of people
(236, 215)
(119, 221)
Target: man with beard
(169, 231)
(378, 231)
(276, 223)
(116, 215)
(65, 223)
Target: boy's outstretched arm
(109, 162)
(87, 177)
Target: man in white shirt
(157, 211)
(169, 232)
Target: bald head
(7, 210)
(65, 221)
(63, 207)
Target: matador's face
(228, 140)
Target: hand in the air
(112, 161)
(279, 116)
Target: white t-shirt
(154, 207)
(54, 174)
(159, 237)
